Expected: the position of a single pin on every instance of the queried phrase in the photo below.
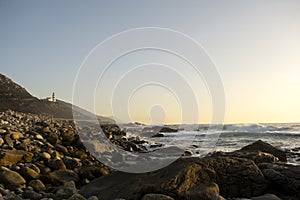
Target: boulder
(37, 185)
(186, 178)
(256, 156)
(12, 180)
(237, 177)
(166, 129)
(267, 148)
(11, 157)
(28, 173)
(283, 178)
(158, 135)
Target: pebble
(39, 137)
(45, 155)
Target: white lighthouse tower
(52, 99)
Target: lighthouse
(52, 99)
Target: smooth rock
(9, 141)
(2, 131)
(1, 142)
(11, 157)
(12, 179)
(37, 185)
(28, 173)
(45, 155)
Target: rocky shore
(43, 158)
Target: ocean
(202, 139)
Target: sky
(254, 45)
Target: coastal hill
(15, 97)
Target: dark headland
(42, 157)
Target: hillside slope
(15, 97)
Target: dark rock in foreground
(267, 148)
(186, 178)
(250, 172)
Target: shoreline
(44, 158)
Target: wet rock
(155, 129)
(187, 153)
(166, 129)
(267, 148)
(256, 156)
(158, 135)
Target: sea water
(203, 139)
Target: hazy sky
(254, 44)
